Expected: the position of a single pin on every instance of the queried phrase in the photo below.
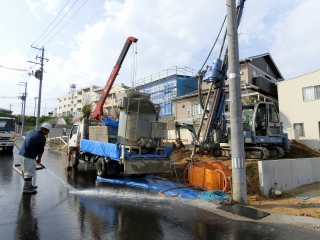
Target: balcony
(266, 87)
(79, 106)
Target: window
(189, 110)
(317, 92)
(308, 93)
(300, 128)
(256, 73)
(197, 109)
(311, 93)
(273, 114)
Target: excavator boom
(98, 111)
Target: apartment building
(71, 104)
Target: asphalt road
(73, 205)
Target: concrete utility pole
(39, 74)
(23, 112)
(35, 106)
(239, 190)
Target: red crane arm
(98, 111)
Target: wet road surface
(72, 205)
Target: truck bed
(113, 151)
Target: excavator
(262, 130)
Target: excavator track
(275, 152)
(261, 153)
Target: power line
(8, 97)
(54, 20)
(66, 23)
(57, 23)
(77, 31)
(15, 69)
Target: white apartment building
(299, 104)
(71, 104)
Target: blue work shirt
(33, 144)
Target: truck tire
(107, 168)
(74, 159)
(10, 149)
(101, 168)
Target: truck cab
(7, 133)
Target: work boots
(28, 187)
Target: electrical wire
(57, 23)
(77, 31)
(8, 97)
(15, 69)
(52, 21)
(66, 23)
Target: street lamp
(34, 113)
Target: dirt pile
(299, 150)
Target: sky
(82, 40)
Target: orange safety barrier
(210, 175)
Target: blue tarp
(110, 122)
(113, 151)
(214, 195)
(161, 184)
(151, 183)
(101, 149)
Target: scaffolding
(162, 87)
(181, 71)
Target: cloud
(49, 6)
(296, 40)
(170, 34)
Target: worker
(261, 122)
(32, 147)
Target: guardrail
(61, 142)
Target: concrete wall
(287, 174)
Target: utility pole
(23, 98)
(239, 190)
(39, 74)
(44, 110)
(34, 112)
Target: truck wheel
(101, 168)
(10, 149)
(74, 158)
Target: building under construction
(166, 85)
